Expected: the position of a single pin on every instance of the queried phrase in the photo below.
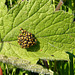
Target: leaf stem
(59, 5)
(54, 4)
(70, 6)
(46, 64)
(11, 3)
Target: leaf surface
(3, 8)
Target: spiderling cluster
(26, 39)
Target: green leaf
(3, 8)
(22, 15)
(3, 11)
(52, 29)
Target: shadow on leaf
(34, 48)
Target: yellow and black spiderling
(26, 39)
